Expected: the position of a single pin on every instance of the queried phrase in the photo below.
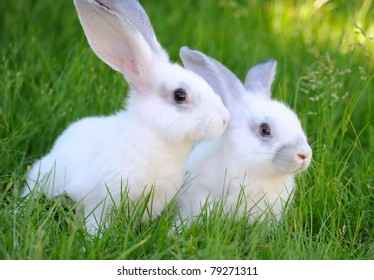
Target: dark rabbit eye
(180, 95)
(264, 129)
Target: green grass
(49, 77)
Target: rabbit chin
(290, 168)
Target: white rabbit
(147, 145)
(257, 157)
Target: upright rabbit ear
(120, 34)
(260, 78)
(134, 13)
(221, 79)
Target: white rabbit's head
(171, 100)
(264, 137)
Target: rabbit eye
(264, 129)
(180, 95)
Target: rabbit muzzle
(293, 159)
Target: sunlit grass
(324, 49)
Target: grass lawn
(49, 77)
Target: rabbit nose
(226, 118)
(302, 156)
(225, 123)
(304, 151)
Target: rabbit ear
(221, 79)
(260, 77)
(134, 13)
(116, 39)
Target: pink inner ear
(130, 67)
(139, 75)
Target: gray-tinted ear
(260, 77)
(117, 41)
(221, 79)
(132, 11)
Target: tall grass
(49, 77)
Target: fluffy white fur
(146, 145)
(242, 162)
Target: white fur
(146, 145)
(241, 161)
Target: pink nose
(302, 156)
